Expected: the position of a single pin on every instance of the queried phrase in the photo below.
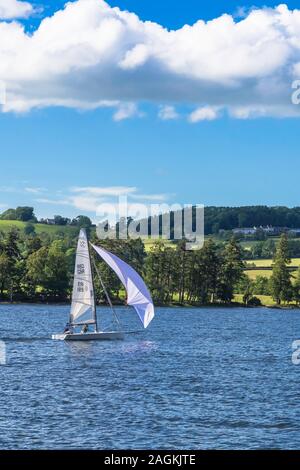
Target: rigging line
(115, 316)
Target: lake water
(197, 379)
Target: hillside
(6, 225)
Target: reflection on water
(139, 347)
(93, 348)
(79, 348)
(197, 378)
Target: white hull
(104, 335)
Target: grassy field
(247, 244)
(265, 299)
(254, 273)
(6, 225)
(267, 263)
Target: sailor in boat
(85, 328)
(68, 328)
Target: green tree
(245, 286)
(35, 268)
(184, 260)
(261, 286)
(32, 244)
(56, 270)
(156, 269)
(280, 281)
(231, 270)
(9, 214)
(12, 243)
(5, 273)
(297, 287)
(59, 220)
(211, 267)
(11, 255)
(48, 268)
(82, 221)
(202, 270)
(25, 214)
(29, 229)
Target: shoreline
(169, 305)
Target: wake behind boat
(83, 312)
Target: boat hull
(99, 336)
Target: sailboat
(83, 312)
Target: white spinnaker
(138, 295)
(82, 309)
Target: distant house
(276, 230)
(50, 221)
(269, 230)
(245, 231)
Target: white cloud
(34, 190)
(10, 9)
(253, 112)
(105, 191)
(58, 202)
(167, 113)
(91, 55)
(125, 111)
(89, 198)
(205, 113)
(84, 203)
(135, 57)
(150, 197)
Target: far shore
(174, 305)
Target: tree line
(40, 268)
(229, 218)
(26, 214)
(267, 249)
(216, 218)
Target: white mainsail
(83, 306)
(138, 295)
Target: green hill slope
(6, 225)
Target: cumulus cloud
(91, 55)
(167, 113)
(205, 113)
(10, 9)
(125, 111)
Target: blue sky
(50, 153)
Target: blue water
(197, 379)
